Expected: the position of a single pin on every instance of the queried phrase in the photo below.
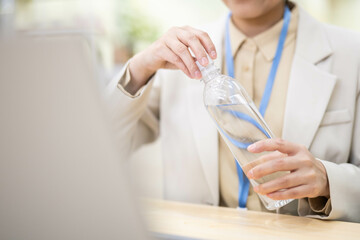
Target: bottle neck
(209, 72)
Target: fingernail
(252, 147)
(250, 174)
(197, 74)
(204, 61)
(256, 189)
(213, 54)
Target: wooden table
(174, 220)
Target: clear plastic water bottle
(238, 121)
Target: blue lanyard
(243, 181)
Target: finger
(273, 145)
(191, 40)
(183, 52)
(174, 61)
(262, 159)
(287, 181)
(206, 42)
(274, 165)
(292, 193)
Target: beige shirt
(253, 58)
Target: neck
(254, 26)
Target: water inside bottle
(240, 127)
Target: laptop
(60, 173)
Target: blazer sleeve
(344, 183)
(134, 118)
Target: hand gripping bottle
(239, 122)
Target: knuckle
(312, 175)
(279, 195)
(204, 34)
(262, 158)
(161, 46)
(176, 59)
(192, 38)
(284, 181)
(181, 49)
(173, 29)
(307, 162)
(280, 141)
(279, 162)
(260, 188)
(257, 172)
(303, 148)
(294, 193)
(302, 154)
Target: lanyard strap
(244, 117)
(243, 181)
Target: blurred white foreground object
(60, 176)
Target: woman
(313, 109)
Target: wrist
(140, 67)
(139, 73)
(326, 189)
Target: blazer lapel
(203, 128)
(310, 86)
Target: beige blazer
(322, 112)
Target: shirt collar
(236, 38)
(266, 41)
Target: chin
(248, 9)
